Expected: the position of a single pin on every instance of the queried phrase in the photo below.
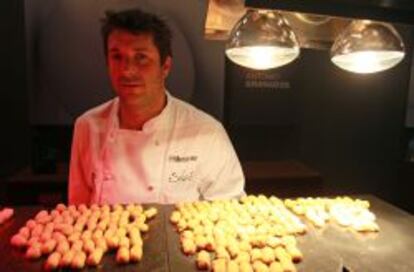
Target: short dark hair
(137, 21)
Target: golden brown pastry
(78, 261)
(245, 267)
(48, 246)
(67, 258)
(52, 261)
(34, 252)
(95, 257)
(136, 253)
(259, 266)
(203, 260)
(189, 247)
(122, 255)
(232, 266)
(219, 265)
(18, 240)
(88, 246)
(276, 267)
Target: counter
(325, 250)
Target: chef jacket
(183, 154)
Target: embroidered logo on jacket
(177, 158)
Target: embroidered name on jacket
(176, 158)
(181, 177)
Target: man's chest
(154, 158)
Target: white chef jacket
(183, 154)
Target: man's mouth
(131, 84)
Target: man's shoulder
(190, 114)
(97, 114)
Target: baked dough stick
(200, 241)
(143, 227)
(53, 261)
(150, 213)
(233, 249)
(288, 240)
(37, 230)
(276, 267)
(122, 255)
(256, 254)
(245, 267)
(18, 241)
(175, 217)
(258, 266)
(77, 245)
(62, 247)
(67, 258)
(294, 253)
(232, 266)
(135, 239)
(48, 246)
(5, 214)
(219, 265)
(88, 246)
(124, 242)
(243, 256)
(273, 242)
(95, 257)
(112, 242)
(24, 232)
(285, 260)
(101, 243)
(221, 253)
(189, 247)
(78, 261)
(203, 260)
(268, 255)
(135, 253)
(34, 252)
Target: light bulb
(262, 39)
(367, 47)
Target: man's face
(135, 68)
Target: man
(146, 145)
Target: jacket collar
(154, 123)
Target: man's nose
(128, 65)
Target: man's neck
(134, 117)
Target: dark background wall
(348, 127)
(14, 136)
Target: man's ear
(166, 67)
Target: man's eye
(141, 58)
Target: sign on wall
(263, 98)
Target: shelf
(394, 11)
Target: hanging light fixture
(367, 47)
(262, 39)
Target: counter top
(328, 249)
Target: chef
(145, 145)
